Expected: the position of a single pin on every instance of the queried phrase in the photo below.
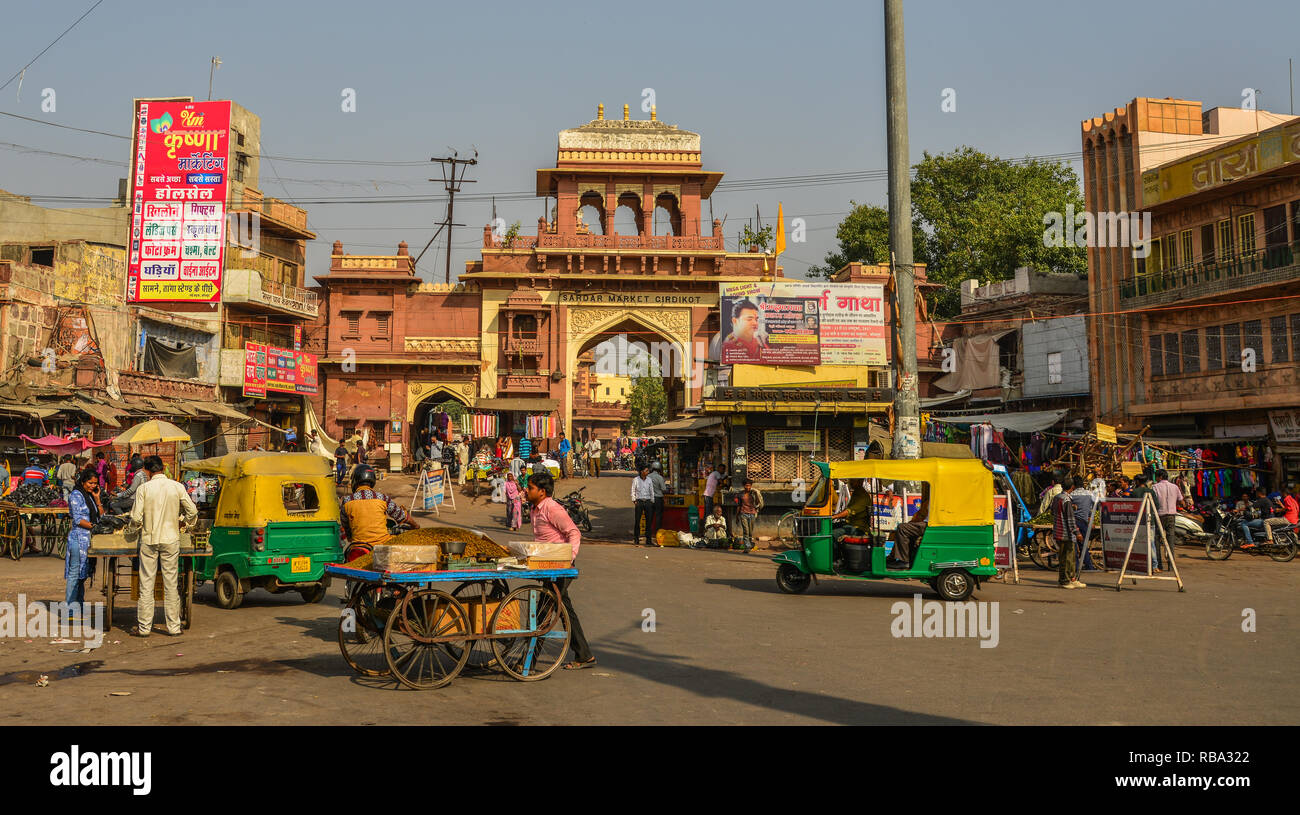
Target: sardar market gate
(515, 335)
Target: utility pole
(451, 182)
(907, 404)
(216, 62)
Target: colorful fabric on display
(541, 427)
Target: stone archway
(587, 324)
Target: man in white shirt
(643, 501)
(711, 487)
(160, 504)
(1097, 486)
(593, 457)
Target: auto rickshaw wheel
(229, 593)
(314, 594)
(792, 581)
(954, 585)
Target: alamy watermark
(933, 619)
(1098, 229)
(38, 620)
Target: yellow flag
(780, 230)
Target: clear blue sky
(774, 89)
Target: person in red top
(552, 524)
(1292, 503)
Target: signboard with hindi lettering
(278, 370)
(846, 328)
(177, 231)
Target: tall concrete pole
(907, 405)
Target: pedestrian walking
(1085, 502)
(660, 486)
(1168, 496)
(514, 503)
(594, 450)
(750, 502)
(462, 455)
(161, 508)
(563, 451)
(552, 524)
(643, 501)
(1066, 531)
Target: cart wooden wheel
(361, 628)
(1042, 551)
(480, 655)
(415, 656)
(14, 535)
(540, 625)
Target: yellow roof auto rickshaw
(274, 524)
(952, 527)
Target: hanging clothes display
(541, 427)
(479, 425)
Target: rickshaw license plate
(300, 564)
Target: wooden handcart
(120, 572)
(402, 625)
(42, 528)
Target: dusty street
(726, 647)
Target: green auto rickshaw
(955, 549)
(273, 524)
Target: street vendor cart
(119, 567)
(419, 628)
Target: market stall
(687, 450)
(118, 567)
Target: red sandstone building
(513, 335)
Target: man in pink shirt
(552, 524)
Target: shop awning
(100, 413)
(219, 409)
(1028, 422)
(684, 427)
(31, 411)
(533, 405)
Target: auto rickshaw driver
(365, 515)
(907, 535)
(857, 515)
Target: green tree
(864, 238)
(648, 402)
(973, 216)
(983, 217)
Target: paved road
(727, 648)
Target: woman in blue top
(83, 506)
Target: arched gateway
(527, 330)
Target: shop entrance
(438, 414)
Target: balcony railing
(277, 211)
(523, 345)
(252, 286)
(698, 243)
(526, 383)
(1275, 264)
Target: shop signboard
(177, 230)
(1286, 425)
(1119, 516)
(1004, 532)
(278, 370)
(766, 330)
(790, 440)
(255, 370)
(849, 319)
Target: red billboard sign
(278, 370)
(180, 169)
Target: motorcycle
(1223, 535)
(573, 504)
